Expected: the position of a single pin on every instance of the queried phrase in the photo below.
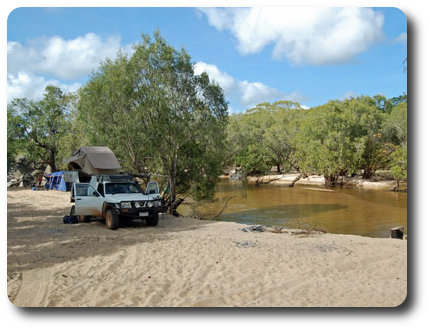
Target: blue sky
(308, 55)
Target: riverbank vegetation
(159, 117)
(356, 136)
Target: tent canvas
(94, 160)
(57, 181)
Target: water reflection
(279, 215)
(344, 211)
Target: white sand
(288, 178)
(187, 262)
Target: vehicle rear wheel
(112, 220)
(152, 221)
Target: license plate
(143, 214)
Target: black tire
(152, 221)
(112, 220)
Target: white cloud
(226, 82)
(255, 92)
(25, 84)
(60, 58)
(244, 93)
(301, 35)
(402, 38)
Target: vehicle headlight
(150, 204)
(157, 203)
(126, 205)
(139, 204)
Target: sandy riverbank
(188, 262)
(318, 180)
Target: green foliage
(157, 115)
(354, 136)
(399, 99)
(15, 136)
(395, 126)
(245, 136)
(36, 127)
(399, 163)
(110, 116)
(341, 137)
(75, 137)
(263, 136)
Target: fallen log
(260, 182)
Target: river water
(340, 210)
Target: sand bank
(188, 262)
(313, 180)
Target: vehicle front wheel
(152, 221)
(112, 220)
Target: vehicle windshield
(122, 188)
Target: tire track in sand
(34, 288)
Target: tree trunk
(367, 173)
(330, 181)
(172, 193)
(278, 168)
(172, 178)
(295, 180)
(51, 161)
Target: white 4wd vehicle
(113, 197)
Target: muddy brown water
(340, 210)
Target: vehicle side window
(81, 189)
(84, 189)
(152, 188)
(100, 189)
(92, 192)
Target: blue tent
(57, 181)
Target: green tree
(16, 141)
(156, 114)
(399, 165)
(381, 102)
(36, 127)
(263, 136)
(76, 135)
(246, 140)
(399, 99)
(341, 137)
(395, 125)
(280, 135)
(395, 130)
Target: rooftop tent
(57, 181)
(94, 160)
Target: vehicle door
(87, 200)
(152, 190)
